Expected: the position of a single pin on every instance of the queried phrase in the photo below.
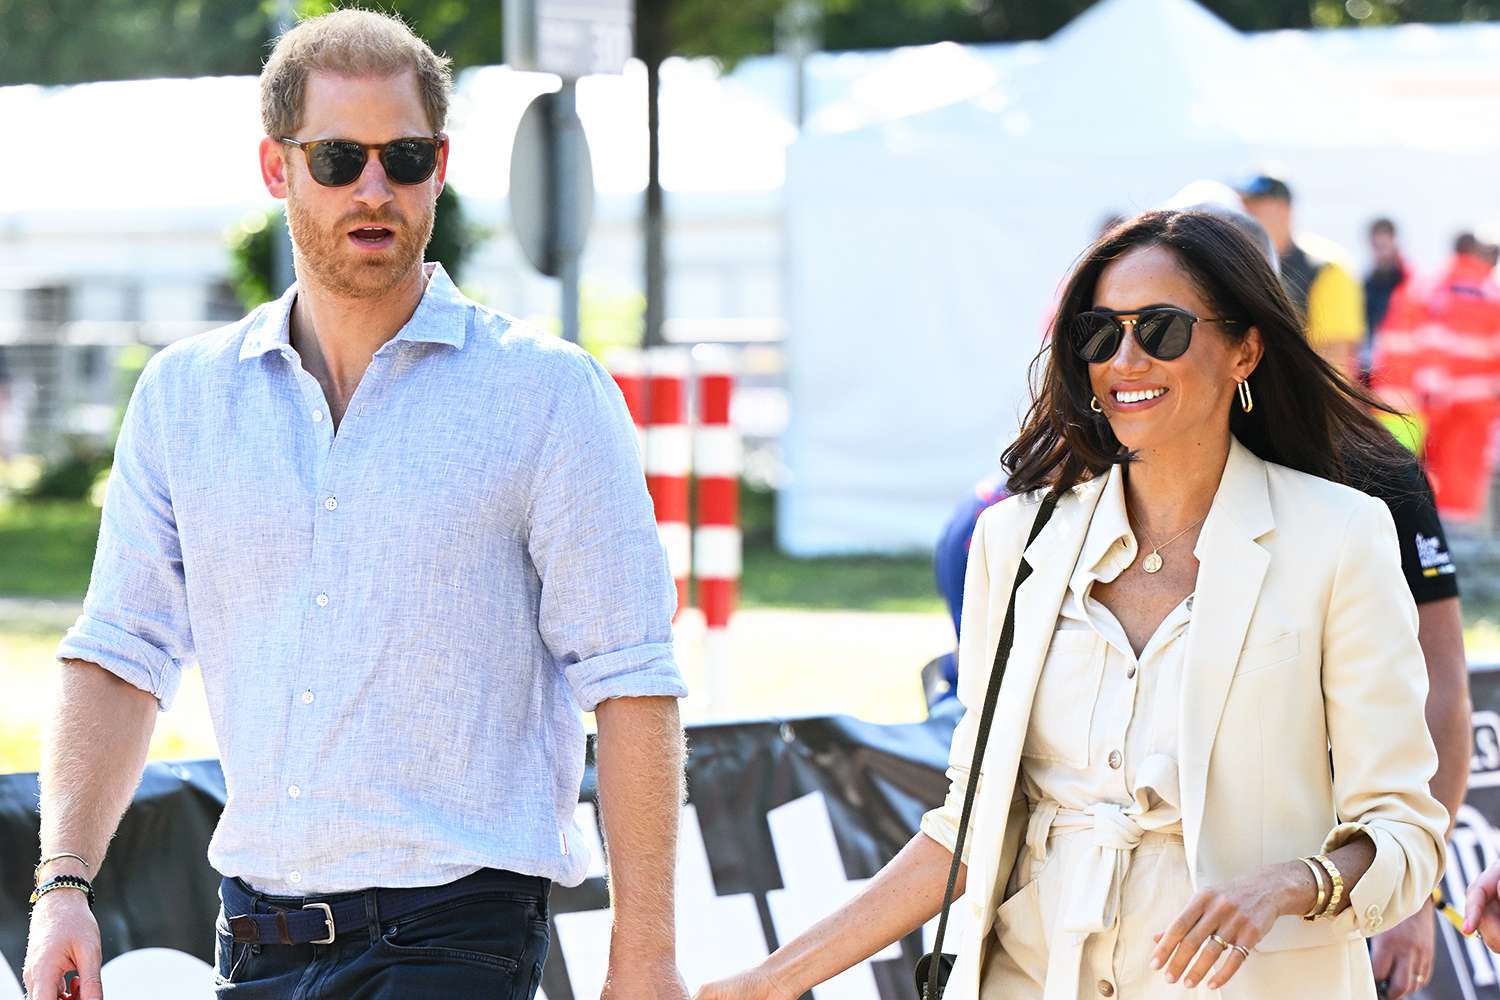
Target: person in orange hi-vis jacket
(1437, 357)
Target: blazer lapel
(1038, 602)
(1232, 567)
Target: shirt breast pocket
(1257, 656)
(1063, 712)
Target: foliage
(47, 548)
(71, 41)
(85, 460)
(72, 477)
(251, 265)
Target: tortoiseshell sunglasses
(339, 162)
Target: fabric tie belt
(1091, 901)
(257, 919)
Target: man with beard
(407, 541)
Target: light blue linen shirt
(398, 624)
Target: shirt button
(1115, 760)
(294, 877)
(322, 600)
(1130, 670)
(293, 791)
(331, 503)
(317, 416)
(1106, 989)
(307, 697)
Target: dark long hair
(1306, 415)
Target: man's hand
(64, 937)
(1403, 954)
(636, 979)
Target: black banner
(785, 820)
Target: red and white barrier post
(629, 371)
(716, 538)
(669, 458)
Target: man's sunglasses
(1164, 332)
(339, 162)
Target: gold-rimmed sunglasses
(1164, 332)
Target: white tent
(925, 252)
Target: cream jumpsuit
(1103, 867)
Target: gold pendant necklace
(1153, 562)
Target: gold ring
(1244, 952)
(1219, 941)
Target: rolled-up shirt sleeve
(135, 615)
(607, 596)
(1375, 690)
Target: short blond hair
(349, 42)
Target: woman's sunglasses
(339, 162)
(1164, 332)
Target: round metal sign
(551, 184)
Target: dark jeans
(483, 936)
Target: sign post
(551, 178)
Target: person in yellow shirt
(1315, 274)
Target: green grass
(772, 579)
(863, 583)
(47, 548)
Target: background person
(1388, 272)
(1437, 357)
(407, 540)
(1199, 455)
(1315, 275)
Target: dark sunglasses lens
(409, 161)
(1165, 336)
(336, 163)
(1096, 337)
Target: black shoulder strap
(986, 717)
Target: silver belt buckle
(327, 916)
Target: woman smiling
(1209, 764)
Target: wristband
(64, 882)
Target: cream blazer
(1303, 640)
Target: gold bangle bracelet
(1338, 884)
(36, 874)
(1318, 876)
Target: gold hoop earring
(1094, 404)
(1247, 401)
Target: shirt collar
(442, 317)
(1110, 544)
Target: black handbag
(934, 968)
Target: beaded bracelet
(64, 882)
(1338, 884)
(1318, 879)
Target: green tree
(73, 41)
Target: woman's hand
(1240, 912)
(1482, 913)
(752, 984)
(1403, 954)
